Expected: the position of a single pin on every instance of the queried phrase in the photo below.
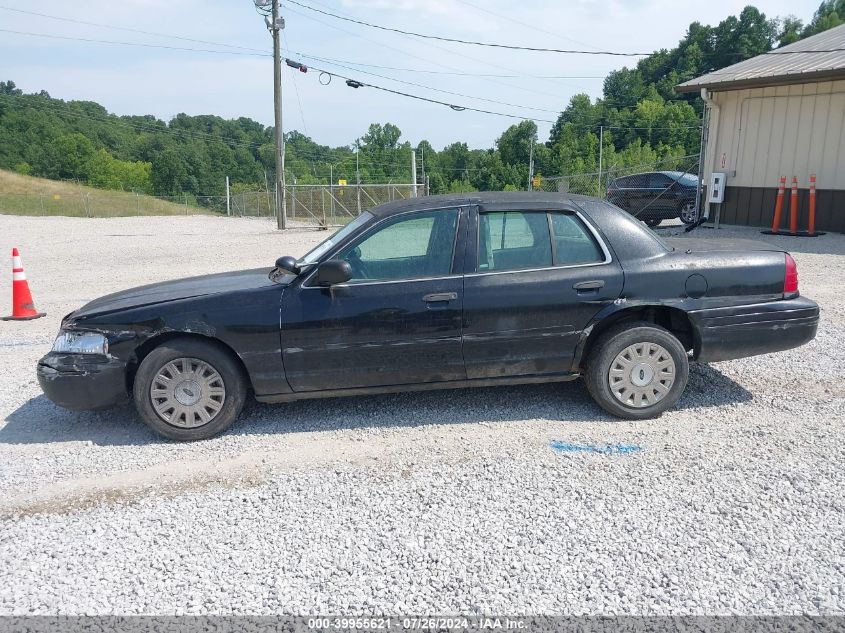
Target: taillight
(790, 277)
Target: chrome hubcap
(187, 392)
(641, 375)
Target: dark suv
(656, 196)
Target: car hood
(702, 245)
(176, 290)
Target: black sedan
(656, 196)
(432, 293)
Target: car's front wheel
(653, 222)
(189, 390)
(637, 370)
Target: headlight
(81, 343)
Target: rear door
(535, 280)
(661, 194)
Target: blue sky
(164, 82)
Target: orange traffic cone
(22, 307)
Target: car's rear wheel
(688, 214)
(189, 390)
(637, 370)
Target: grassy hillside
(26, 195)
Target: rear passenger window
(513, 240)
(574, 243)
(659, 181)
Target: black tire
(653, 222)
(687, 214)
(230, 402)
(613, 343)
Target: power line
(525, 24)
(342, 64)
(163, 46)
(241, 50)
(354, 83)
(262, 52)
(450, 52)
(451, 73)
(460, 41)
(522, 48)
(113, 42)
(141, 44)
(182, 48)
(449, 92)
(127, 29)
(296, 90)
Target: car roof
(671, 174)
(532, 199)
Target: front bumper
(83, 382)
(748, 330)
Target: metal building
(778, 114)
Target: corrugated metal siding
(764, 133)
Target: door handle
(440, 296)
(583, 286)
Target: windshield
(315, 253)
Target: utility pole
(531, 166)
(270, 10)
(281, 206)
(422, 169)
(358, 175)
(414, 174)
(228, 198)
(601, 156)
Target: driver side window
(405, 247)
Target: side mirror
(288, 264)
(334, 271)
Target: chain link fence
(107, 204)
(307, 205)
(321, 205)
(652, 192)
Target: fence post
(137, 203)
(702, 150)
(41, 202)
(323, 205)
(601, 156)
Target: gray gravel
(415, 503)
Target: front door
(397, 321)
(538, 279)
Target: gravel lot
(416, 503)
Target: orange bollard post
(811, 221)
(793, 207)
(778, 207)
